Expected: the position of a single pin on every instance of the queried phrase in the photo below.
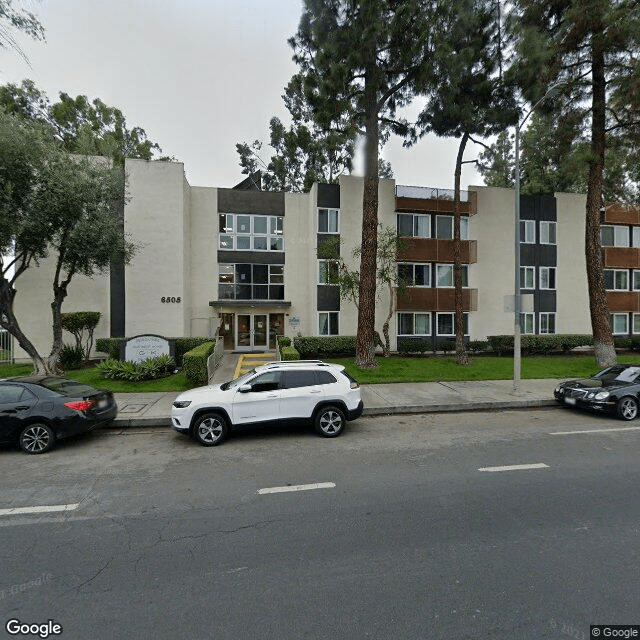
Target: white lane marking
(569, 433)
(44, 509)
(298, 487)
(516, 467)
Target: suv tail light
(353, 383)
(79, 405)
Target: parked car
(614, 390)
(321, 393)
(35, 411)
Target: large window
(620, 323)
(445, 324)
(547, 277)
(250, 282)
(547, 232)
(614, 236)
(547, 322)
(242, 232)
(616, 279)
(527, 277)
(328, 220)
(416, 225)
(444, 275)
(328, 323)
(414, 324)
(327, 272)
(528, 231)
(444, 227)
(414, 275)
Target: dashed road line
(298, 487)
(516, 467)
(42, 509)
(570, 433)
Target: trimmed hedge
(415, 345)
(477, 346)
(623, 343)
(289, 353)
(111, 346)
(545, 343)
(283, 341)
(315, 346)
(194, 363)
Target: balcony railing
(429, 193)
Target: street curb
(128, 423)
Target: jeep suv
(323, 394)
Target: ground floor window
(328, 323)
(414, 324)
(527, 323)
(620, 323)
(445, 324)
(636, 323)
(547, 323)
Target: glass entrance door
(252, 332)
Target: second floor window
(444, 275)
(547, 232)
(614, 236)
(250, 282)
(327, 272)
(444, 227)
(414, 275)
(328, 221)
(547, 277)
(616, 279)
(416, 225)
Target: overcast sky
(197, 75)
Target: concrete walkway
(154, 409)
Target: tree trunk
(462, 357)
(386, 349)
(59, 294)
(365, 339)
(9, 322)
(604, 349)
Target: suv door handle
(316, 391)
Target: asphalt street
(499, 525)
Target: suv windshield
(237, 382)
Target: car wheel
(329, 422)
(37, 438)
(627, 408)
(210, 429)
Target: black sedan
(613, 390)
(36, 411)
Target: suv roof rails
(295, 362)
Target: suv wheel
(210, 429)
(329, 422)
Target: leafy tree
(467, 97)
(388, 275)
(361, 60)
(55, 205)
(12, 19)
(76, 323)
(589, 51)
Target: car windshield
(618, 374)
(232, 384)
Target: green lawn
(434, 369)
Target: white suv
(302, 389)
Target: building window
(444, 275)
(547, 322)
(528, 231)
(327, 272)
(445, 324)
(527, 277)
(414, 275)
(250, 232)
(614, 236)
(636, 236)
(636, 323)
(547, 277)
(328, 221)
(414, 324)
(547, 232)
(636, 279)
(527, 323)
(328, 323)
(616, 279)
(250, 282)
(620, 323)
(416, 225)
(444, 227)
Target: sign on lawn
(143, 347)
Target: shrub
(183, 345)
(110, 346)
(289, 353)
(415, 345)
(476, 346)
(77, 322)
(71, 357)
(150, 369)
(543, 343)
(283, 341)
(447, 345)
(622, 343)
(635, 343)
(194, 363)
(315, 346)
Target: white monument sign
(143, 347)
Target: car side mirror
(245, 388)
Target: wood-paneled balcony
(621, 257)
(436, 250)
(623, 301)
(621, 214)
(431, 299)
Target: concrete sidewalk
(154, 409)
